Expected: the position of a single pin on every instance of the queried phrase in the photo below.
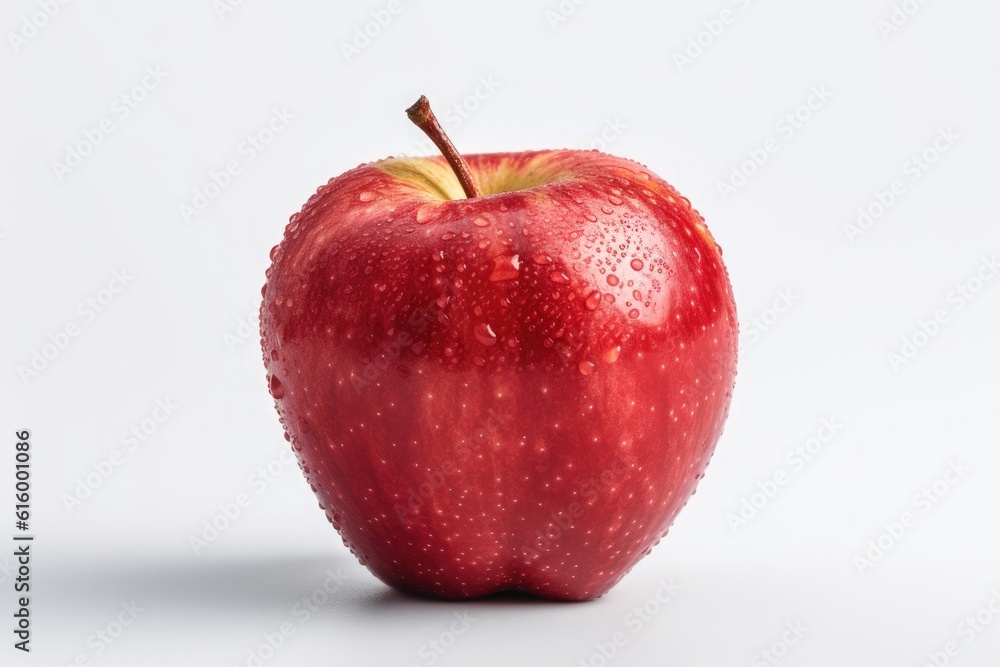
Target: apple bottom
(460, 485)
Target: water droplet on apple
(366, 196)
(447, 236)
(636, 264)
(484, 334)
(480, 221)
(611, 354)
(593, 301)
(277, 389)
(586, 367)
(637, 295)
(613, 279)
(559, 277)
(425, 214)
(633, 313)
(541, 259)
(303, 425)
(418, 347)
(606, 210)
(615, 201)
(505, 267)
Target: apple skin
(518, 391)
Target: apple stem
(422, 116)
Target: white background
(175, 332)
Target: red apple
(502, 372)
